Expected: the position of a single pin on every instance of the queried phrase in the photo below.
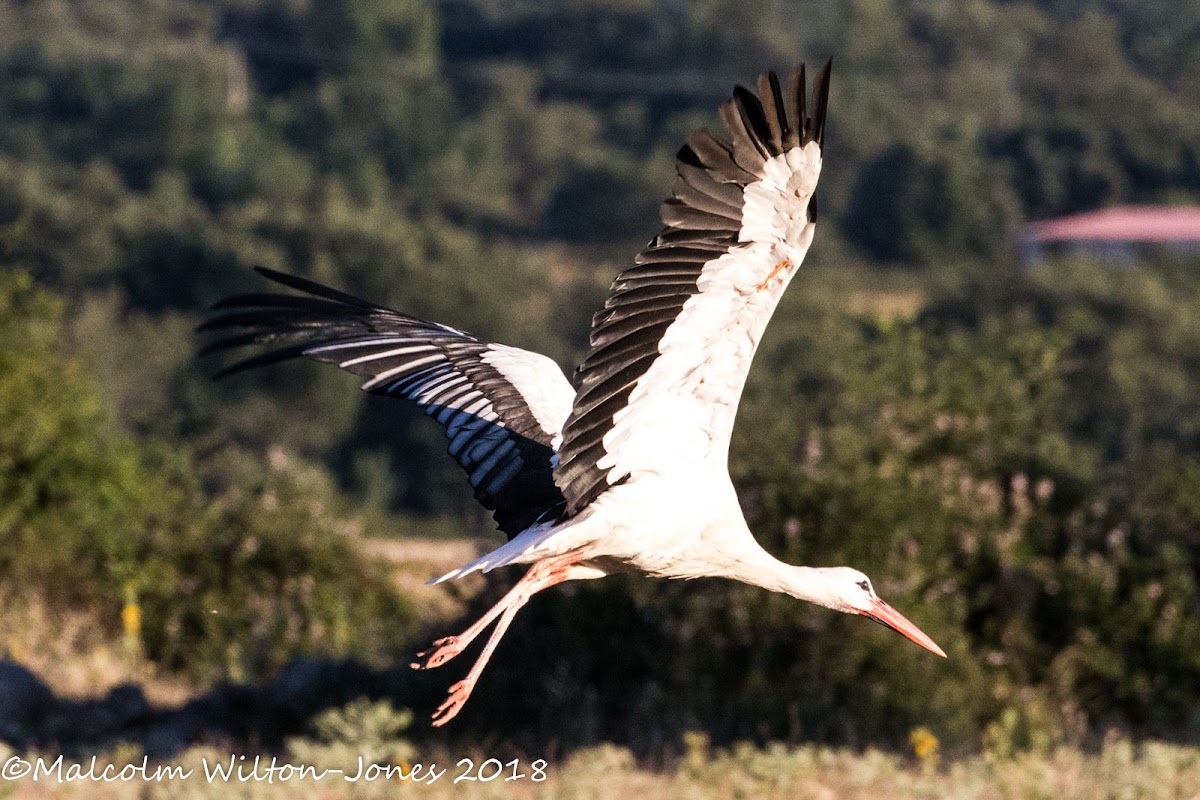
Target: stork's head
(851, 591)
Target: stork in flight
(623, 468)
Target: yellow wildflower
(131, 614)
(131, 619)
(924, 744)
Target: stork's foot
(448, 710)
(438, 653)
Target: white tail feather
(534, 544)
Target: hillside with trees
(1013, 455)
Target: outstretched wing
(670, 350)
(502, 407)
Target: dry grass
(415, 561)
(886, 305)
(1121, 771)
(425, 558)
(74, 657)
(78, 659)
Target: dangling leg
(461, 691)
(447, 648)
(442, 650)
(542, 575)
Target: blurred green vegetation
(233, 566)
(1013, 456)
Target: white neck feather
(756, 566)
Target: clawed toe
(448, 710)
(438, 653)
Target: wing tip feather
(821, 102)
(778, 120)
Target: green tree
(235, 565)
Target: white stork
(623, 469)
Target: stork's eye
(865, 586)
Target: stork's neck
(758, 567)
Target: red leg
(442, 650)
(544, 574)
(460, 691)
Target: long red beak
(886, 615)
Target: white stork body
(677, 515)
(625, 468)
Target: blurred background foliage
(1013, 454)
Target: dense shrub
(233, 564)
